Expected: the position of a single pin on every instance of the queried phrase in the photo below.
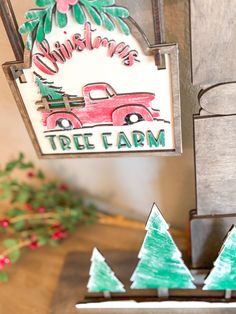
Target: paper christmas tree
(102, 278)
(223, 275)
(161, 265)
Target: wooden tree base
(74, 277)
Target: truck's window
(98, 94)
(110, 92)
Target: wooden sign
(91, 83)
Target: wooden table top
(34, 278)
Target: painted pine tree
(161, 265)
(223, 275)
(102, 278)
(47, 89)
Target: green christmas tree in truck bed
(223, 275)
(161, 265)
(102, 278)
(48, 90)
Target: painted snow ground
(154, 305)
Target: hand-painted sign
(90, 82)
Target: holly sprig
(39, 211)
(102, 12)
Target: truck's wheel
(130, 114)
(133, 117)
(65, 124)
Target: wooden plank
(215, 155)
(74, 277)
(11, 27)
(219, 99)
(213, 40)
(207, 237)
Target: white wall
(131, 184)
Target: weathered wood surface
(74, 277)
(213, 24)
(219, 99)
(11, 27)
(215, 155)
(142, 12)
(207, 237)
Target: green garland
(102, 12)
(39, 211)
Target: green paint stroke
(161, 264)
(101, 12)
(223, 275)
(48, 90)
(102, 278)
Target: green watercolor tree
(48, 90)
(102, 278)
(223, 274)
(160, 266)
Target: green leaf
(11, 165)
(14, 256)
(9, 243)
(106, 3)
(28, 26)
(29, 42)
(123, 26)
(23, 196)
(14, 212)
(94, 15)
(78, 14)
(40, 175)
(48, 21)
(35, 14)
(40, 35)
(61, 19)
(6, 190)
(21, 156)
(107, 22)
(27, 165)
(3, 276)
(117, 11)
(44, 3)
(42, 240)
(19, 225)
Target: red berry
(34, 242)
(41, 210)
(34, 245)
(4, 261)
(30, 174)
(4, 223)
(63, 187)
(7, 260)
(28, 206)
(58, 235)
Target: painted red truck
(100, 105)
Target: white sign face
(92, 90)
